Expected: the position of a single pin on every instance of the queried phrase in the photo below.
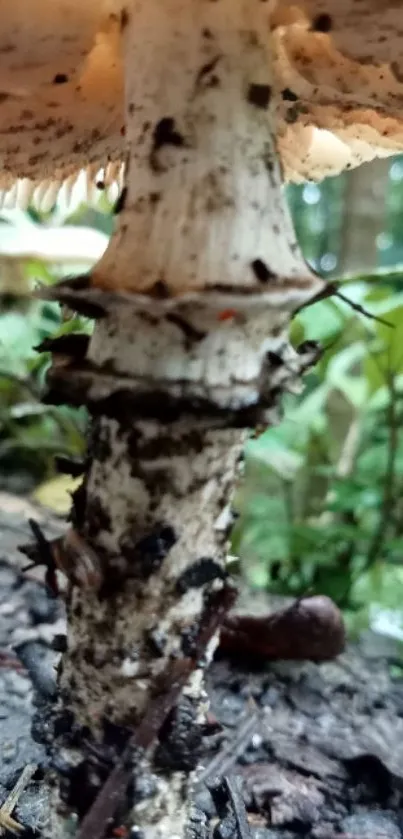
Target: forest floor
(291, 749)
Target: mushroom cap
(337, 67)
(61, 87)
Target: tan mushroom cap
(338, 69)
(61, 87)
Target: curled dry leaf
(311, 628)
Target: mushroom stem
(195, 293)
(199, 208)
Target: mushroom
(339, 70)
(192, 301)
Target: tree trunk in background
(193, 299)
(364, 217)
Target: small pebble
(39, 663)
(268, 833)
(43, 609)
(8, 608)
(231, 709)
(8, 579)
(226, 829)
(256, 741)
(144, 786)
(322, 830)
(197, 827)
(8, 751)
(17, 684)
(251, 689)
(204, 802)
(32, 807)
(270, 697)
(370, 824)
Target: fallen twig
(226, 758)
(238, 806)
(99, 816)
(230, 806)
(6, 821)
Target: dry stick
(238, 806)
(223, 762)
(104, 807)
(6, 821)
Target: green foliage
(320, 506)
(31, 433)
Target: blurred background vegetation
(321, 504)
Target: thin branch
(360, 309)
(332, 290)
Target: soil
(291, 749)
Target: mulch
(291, 749)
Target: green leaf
(322, 320)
